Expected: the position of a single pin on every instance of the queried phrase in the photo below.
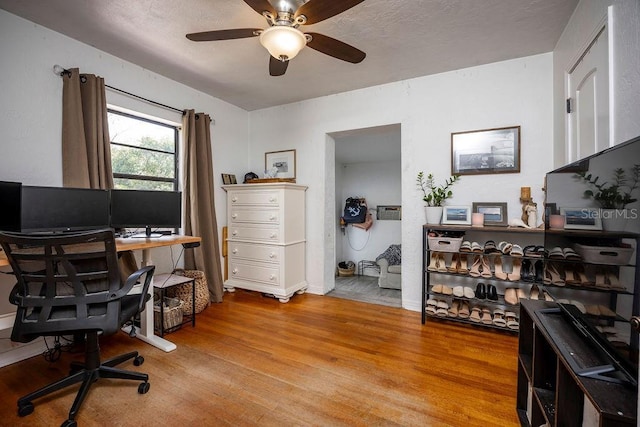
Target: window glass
(143, 152)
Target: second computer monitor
(146, 209)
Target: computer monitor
(146, 209)
(10, 200)
(52, 209)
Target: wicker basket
(184, 291)
(346, 269)
(171, 314)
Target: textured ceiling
(402, 38)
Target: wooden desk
(145, 332)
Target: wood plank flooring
(317, 361)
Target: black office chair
(69, 284)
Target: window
(144, 153)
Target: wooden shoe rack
(601, 302)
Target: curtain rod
(59, 70)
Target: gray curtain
(86, 151)
(199, 209)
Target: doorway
(368, 166)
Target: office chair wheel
(143, 388)
(139, 360)
(25, 409)
(69, 423)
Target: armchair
(69, 284)
(390, 263)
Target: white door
(588, 105)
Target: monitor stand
(147, 234)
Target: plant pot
(614, 219)
(433, 213)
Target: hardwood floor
(320, 361)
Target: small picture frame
(582, 218)
(283, 162)
(460, 215)
(226, 179)
(495, 213)
(549, 209)
(232, 178)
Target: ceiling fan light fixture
(283, 42)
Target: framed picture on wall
(282, 163)
(486, 151)
(581, 218)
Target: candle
(556, 222)
(477, 219)
(525, 193)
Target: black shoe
(481, 293)
(492, 293)
(526, 271)
(539, 271)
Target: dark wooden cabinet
(550, 390)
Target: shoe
(511, 296)
(570, 254)
(442, 264)
(505, 247)
(436, 289)
(486, 317)
(521, 294)
(431, 306)
(552, 275)
(446, 290)
(497, 268)
(462, 264)
(475, 247)
(498, 318)
(481, 292)
(442, 309)
(539, 271)
(453, 310)
(534, 293)
(463, 310)
(514, 276)
(474, 271)
(458, 291)
(468, 292)
(486, 269)
(556, 253)
(465, 246)
(526, 271)
(512, 320)
(490, 247)
(433, 261)
(453, 268)
(492, 293)
(516, 251)
(475, 315)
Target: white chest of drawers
(266, 238)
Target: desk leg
(145, 332)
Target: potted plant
(434, 195)
(613, 197)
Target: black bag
(355, 210)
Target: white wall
(380, 184)
(31, 115)
(516, 92)
(624, 66)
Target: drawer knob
(273, 235)
(234, 199)
(234, 271)
(272, 217)
(272, 277)
(234, 233)
(272, 255)
(273, 199)
(234, 216)
(234, 251)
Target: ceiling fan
(283, 39)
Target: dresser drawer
(257, 197)
(251, 251)
(259, 216)
(254, 272)
(258, 234)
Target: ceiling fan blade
(260, 6)
(319, 10)
(336, 48)
(277, 67)
(238, 33)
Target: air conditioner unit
(389, 213)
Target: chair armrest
(132, 280)
(383, 263)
